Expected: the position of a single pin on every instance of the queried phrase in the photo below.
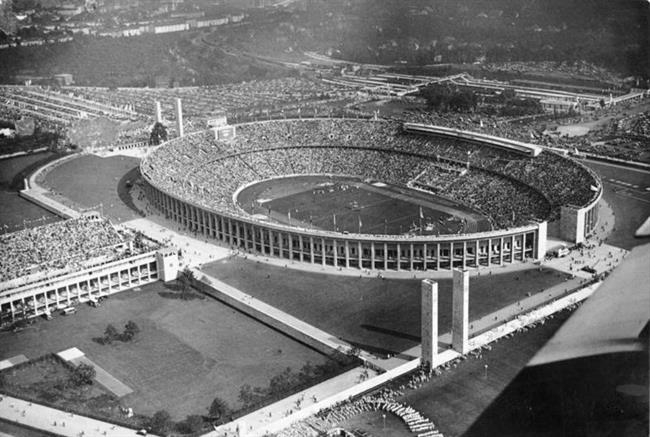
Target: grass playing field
(187, 353)
(90, 180)
(350, 205)
(380, 315)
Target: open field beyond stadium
(350, 205)
(378, 315)
(187, 353)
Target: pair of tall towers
(459, 322)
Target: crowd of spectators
(509, 188)
(56, 246)
(199, 102)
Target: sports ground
(174, 354)
(187, 353)
(346, 204)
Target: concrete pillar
(347, 254)
(360, 253)
(429, 330)
(385, 256)
(539, 246)
(424, 257)
(311, 249)
(399, 257)
(460, 311)
(179, 118)
(158, 112)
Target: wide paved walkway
(57, 421)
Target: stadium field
(187, 353)
(346, 204)
(378, 315)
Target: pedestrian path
(56, 421)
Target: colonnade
(46, 296)
(374, 252)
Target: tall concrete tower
(429, 332)
(460, 311)
(158, 112)
(179, 117)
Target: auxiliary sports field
(187, 353)
(347, 204)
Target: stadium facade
(242, 231)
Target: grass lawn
(90, 180)
(631, 206)
(187, 353)
(47, 380)
(380, 209)
(381, 315)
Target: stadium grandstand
(57, 106)
(56, 265)
(199, 102)
(195, 180)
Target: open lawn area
(89, 180)
(378, 315)
(630, 205)
(187, 353)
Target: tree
(192, 424)
(83, 375)
(185, 279)
(161, 422)
(158, 134)
(249, 396)
(110, 334)
(219, 409)
(130, 330)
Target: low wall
(273, 317)
(49, 204)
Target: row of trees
(285, 382)
(446, 98)
(161, 422)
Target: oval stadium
(372, 194)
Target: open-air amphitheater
(526, 192)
